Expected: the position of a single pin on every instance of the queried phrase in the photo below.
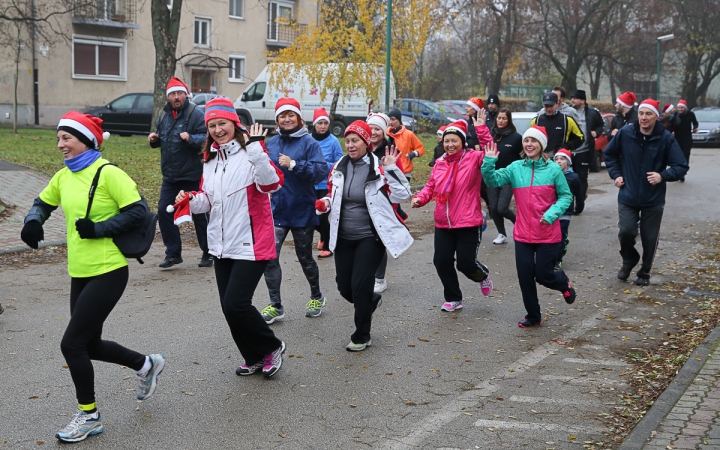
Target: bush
(604, 107)
(516, 104)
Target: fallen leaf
(353, 406)
(33, 397)
(423, 340)
(281, 435)
(411, 345)
(571, 437)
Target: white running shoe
(500, 239)
(451, 306)
(380, 286)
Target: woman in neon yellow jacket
(541, 195)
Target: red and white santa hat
(379, 119)
(627, 99)
(287, 104)
(537, 133)
(667, 108)
(85, 127)
(564, 153)
(320, 114)
(476, 103)
(441, 130)
(175, 84)
(682, 103)
(650, 104)
(182, 210)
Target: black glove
(32, 233)
(412, 155)
(85, 228)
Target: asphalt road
(431, 380)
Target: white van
(257, 103)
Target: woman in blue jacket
(332, 151)
(300, 158)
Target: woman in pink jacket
(455, 186)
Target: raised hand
(391, 156)
(491, 150)
(256, 129)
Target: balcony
(282, 33)
(106, 13)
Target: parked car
(200, 99)
(709, 126)
(601, 142)
(521, 120)
(455, 108)
(423, 112)
(127, 115)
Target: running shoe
(245, 370)
(325, 254)
(314, 307)
(500, 239)
(527, 323)
(380, 285)
(484, 225)
(624, 273)
(570, 295)
(353, 347)
(148, 382)
(558, 266)
(272, 313)
(642, 281)
(80, 427)
(451, 306)
(273, 361)
(486, 286)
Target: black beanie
(493, 98)
(396, 114)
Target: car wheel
(338, 129)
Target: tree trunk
(165, 28)
(15, 80)
(595, 85)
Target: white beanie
(379, 119)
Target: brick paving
(693, 422)
(19, 186)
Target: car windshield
(431, 106)
(712, 115)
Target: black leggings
(463, 242)
(536, 263)
(91, 301)
(237, 280)
(324, 227)
(355, 264)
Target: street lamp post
(388, 48)
(667, 37)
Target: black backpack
(135, 242)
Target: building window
(236, 8)
(99, 59)
(237, 68)
(279, 18)
(202, 32)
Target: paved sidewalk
(19, 186)
(685, 416)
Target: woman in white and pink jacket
(454, 184)
(238, 178)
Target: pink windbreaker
(463, 207)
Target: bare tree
(165, 28)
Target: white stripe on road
(556, 401)
(599, 362)
(436, 421)
(579, 380)
(503, 425)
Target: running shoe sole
(83, 437)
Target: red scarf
(447, 185)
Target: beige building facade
(222, 46)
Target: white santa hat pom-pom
(170, 208)
(106, 136)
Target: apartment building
(222, 46)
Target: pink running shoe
(451, 306)
(273, 361)
(486, 286)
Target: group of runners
(257, 190)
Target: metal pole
(657, 89)
(388, 49)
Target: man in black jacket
(637, 158)
(493, 105)
(180, 134)
(562, 130)
(591, 124)
(625, 112)
(684, 130)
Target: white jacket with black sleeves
(385, 185)
(236, 190)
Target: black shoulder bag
(135, 242)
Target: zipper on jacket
(252, 230)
